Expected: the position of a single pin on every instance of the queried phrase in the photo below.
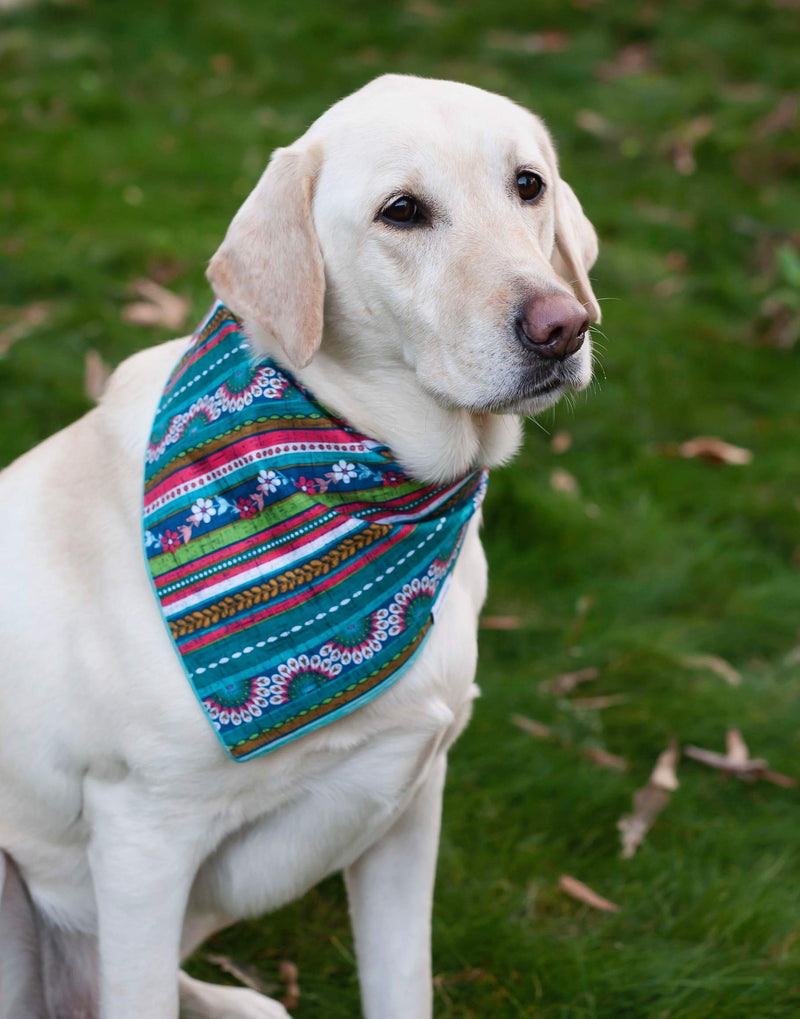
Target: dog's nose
(553, 326)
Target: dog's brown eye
(529, 185)
(402, 210)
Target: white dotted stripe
(321, 615)
(191, 382)
(241, 558)
(266, 453)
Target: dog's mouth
(548, 385)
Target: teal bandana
(297, 566)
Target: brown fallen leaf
(713, 450)
(425, 9)
(737, 761)
(778, 325)
(563, 481)
(583, 893)
(649, 801)
(681, 148)
(28, 319)
(500, 622)
(561, 442)
(779, 119)
(664, 774)
(735, 747)
(221, 63)
(532, 727)
(246, 975)
(594, 123)
(567, 681)
(466, 976)
(606, 760)
(593, 754)
(289, 975)
(583, 606)
(96, 373)
(599, 703)
(633, 59)
(713, 663)
(539, 42)
(159, 307)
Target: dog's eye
(529, 185)
(404, 210)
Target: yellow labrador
(418, 262)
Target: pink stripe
(247, 543)
(324, 584)
(253, 448)
(200, 351)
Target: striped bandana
(298, 567)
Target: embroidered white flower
(269, 481)
(344, 472)
(203, 510)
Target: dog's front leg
(143, 861)
(390, 888)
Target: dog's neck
(433, 443)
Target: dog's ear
(269, 267)
(575, 248)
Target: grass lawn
(130, 133)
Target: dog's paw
(212, 1001)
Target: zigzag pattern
(259, 594)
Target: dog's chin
(528, 392)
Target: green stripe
(230, 534)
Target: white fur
(135, 835)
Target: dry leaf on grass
(606, 760)
(563, 481)
(649, 801)
(29, 318)
(593, 754)
(713, 450)
(246, 975)
(561, 442)
(779, 119)
(681, 148)
(633, 59)
(583, 893)
(532, 727)
(599, 703)
(425, 9)
(593, 123)
(583, 606)
(567, 681)
(713, 663)
(158, 307)
(539, 42)
(290, 976)
(737, 761)
(96, 373)
(466, 976)
(499, 622)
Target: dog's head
(425, 224)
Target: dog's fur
(126, 834)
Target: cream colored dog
(415, 258)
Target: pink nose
(553, 326)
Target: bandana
(297, 566)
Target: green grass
(130, 133)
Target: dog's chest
(313, 807)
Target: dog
(417, 262)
